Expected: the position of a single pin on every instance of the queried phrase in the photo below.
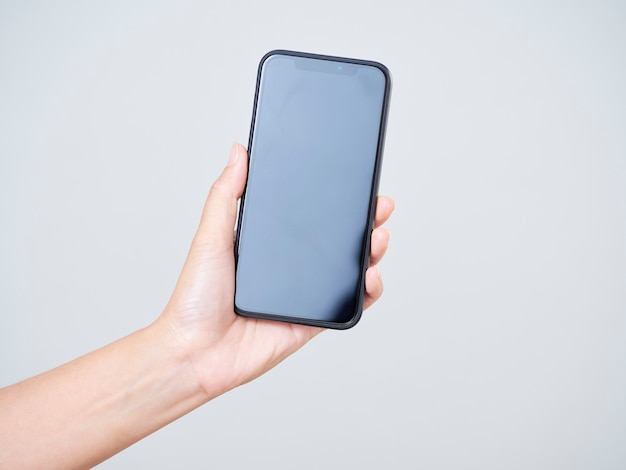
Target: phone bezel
(365, 256)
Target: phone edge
(373, 194)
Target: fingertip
(373, 282)
(242, 151)
(379, 245)
(235, 172)
(388, 202)
(373, 286)
(376, 272)
(233, 156)
(385, 206)
(382, 233)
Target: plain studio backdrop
(500, 341)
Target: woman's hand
(228, 350)
(85, 411)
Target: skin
(83, 412)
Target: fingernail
(234, 154)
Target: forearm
(89, 409)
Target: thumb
(215, 232)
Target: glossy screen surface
(312, 162)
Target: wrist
(179, 353)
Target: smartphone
(306, 216)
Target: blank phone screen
(305, 216)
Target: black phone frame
(365, 255)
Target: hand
(82, 412)
(225, 349)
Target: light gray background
(501, 339)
